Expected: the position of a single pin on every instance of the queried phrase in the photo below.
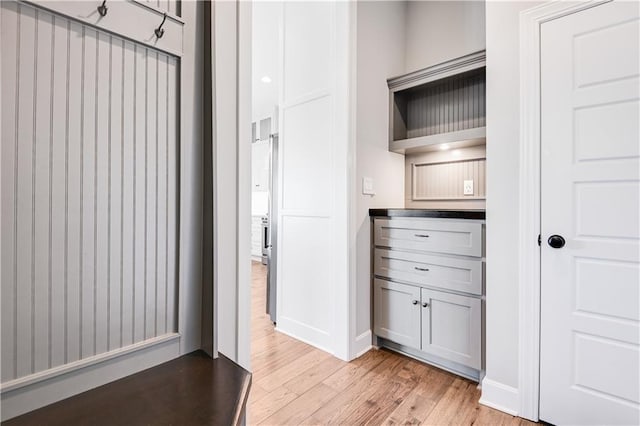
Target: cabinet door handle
(422, 235)
(421, 269)
(425, 305)
(415, 302)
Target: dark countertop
(447, 214)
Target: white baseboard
(305, 333)
(500, 396)
(362, 344)
(51, 386)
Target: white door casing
(589, 353)
(312, 288)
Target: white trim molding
(500, 396)
(362, 344)
(531, 21)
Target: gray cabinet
(451, 327)
(428, 290)
(397, 309)
(444, 103)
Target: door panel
(451, 327)
(312, 267)
(590, 195)
(397, 312)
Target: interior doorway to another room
(265, 79)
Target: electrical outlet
(468, 187)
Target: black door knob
(556, 241)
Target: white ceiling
(265, 36)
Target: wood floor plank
(340, 407)
(457, 402)
(302, 407)
(312, 376)
(422, 399)
(295, 383)
(280, 376)
(270, 403)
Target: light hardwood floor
(295, 383)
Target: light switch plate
(468, 187)
(367, 186)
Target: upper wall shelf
(444, 103)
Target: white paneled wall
(313, 292)
(89, 192)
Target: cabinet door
(397, 312)
(451, 327)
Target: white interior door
(590, 196)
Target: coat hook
(160, 31)
(102, 10)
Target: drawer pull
(422, 235)
(415, 302)
(417, 268)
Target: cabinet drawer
(441, 236)
(451, 327)
(450, 273)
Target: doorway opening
(265, 82)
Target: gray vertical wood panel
(24, 196)
(9, 70)
(128, 205)
(87, 146)
(89, 191)
(101, 214)
(115, 195)
(151, 194)
(43, 98)
(58, 194)
(161, 191)
(139, 256)
(74, 194)
(172, 199)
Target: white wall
(503, 109)
(232, 181)
(440, 30)
(380, 55)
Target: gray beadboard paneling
(448, 105)
(444, 181)
(89, 191)
(169, 6)
(439, 175)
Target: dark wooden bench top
(191, 390)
